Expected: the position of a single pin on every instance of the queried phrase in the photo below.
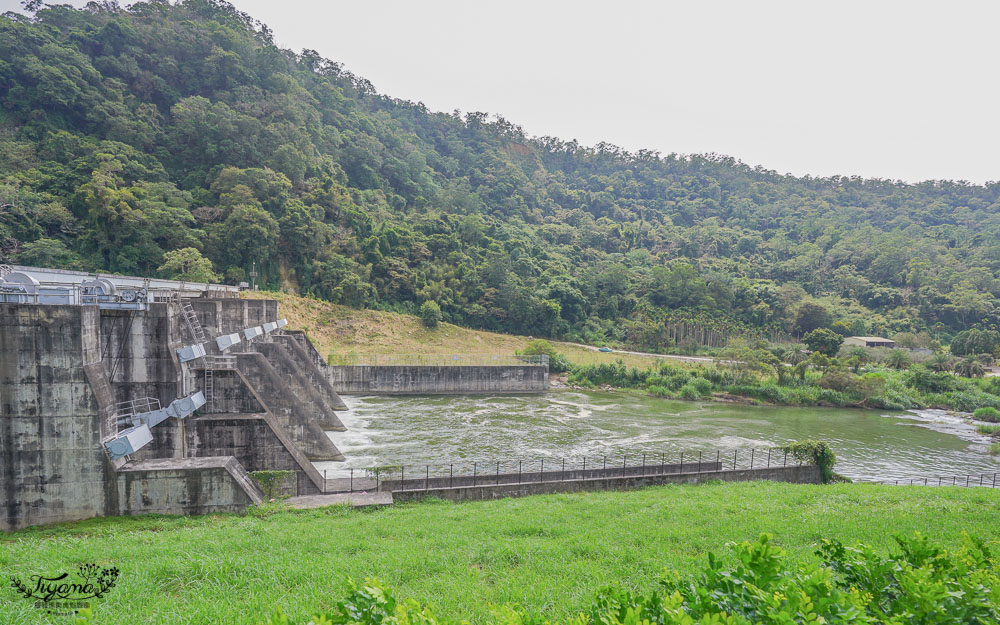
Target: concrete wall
(806, 474)
(292, 413)
(424, 380)
(52, 466)
(257, 442)
(185, 486)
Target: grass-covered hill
(177, 139)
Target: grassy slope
(341, 330)
(547, 553)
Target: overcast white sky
(904, 90)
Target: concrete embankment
(431, 380)
(490, 489)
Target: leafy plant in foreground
(921, 584)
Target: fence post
(427, 476)
(541, 472)
(718, 459)
(352, 481)
(644, 465)
(605, 470)
(681, 470)
(967, 480)
(473, 474)
(663, 465)
(402, 482)
(564, 470)
(518, 471)
(994, 481)
(784, 462)
(498, 473)
(624, 460)
(585, 467)
(376, 479)
(768, 457)
(734, 458)
(699, 462)
(751, 458)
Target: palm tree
(940, 362)
(969, 368)
(898, 359)
(795, 354)
(858, 356)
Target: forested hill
(177, 140)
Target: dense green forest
(178, 140)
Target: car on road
(605, 350)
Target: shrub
(688, 391)
(987, 413)
(921, 583)
(839, 380)
(270, 481)
(988, 429)
(558, 363)
(430, 314)
(703, 386)
(659, 391)
(817, 452)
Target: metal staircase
(209, 389)
(211, 364)
(191, 318)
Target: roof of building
(872, 339)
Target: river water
(439, 430)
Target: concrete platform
(358, 500)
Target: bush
(540, 347)
(922, 583)
(987, 413)
(688, 391)
(816, 452)
(430, 314)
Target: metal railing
(216, 363)
(436, 360)
(969, 480)
(466, 474)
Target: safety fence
(435, 360)
(466, 473)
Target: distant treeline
(178, 140)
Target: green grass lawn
(549, 554)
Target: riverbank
(549, 554)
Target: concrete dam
(122, 395)
(127, 396)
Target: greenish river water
(438, 430)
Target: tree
(939, 362)
(969, 368)
(824, 341)
(811, 317)
(842, 327)
(898, 359)
(858, 356)
(188, 265)
(430, 314)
